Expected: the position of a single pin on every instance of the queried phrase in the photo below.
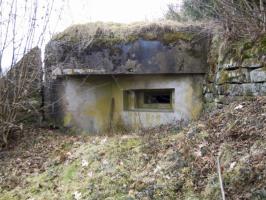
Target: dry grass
(90, 31)
(165, 163)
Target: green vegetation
(243, 50)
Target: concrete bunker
(141, 76)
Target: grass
(101, 34)
(115, 171)
(127, 167)
(161, 164)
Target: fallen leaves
(33, 154)
(158, 164)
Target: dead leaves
(156, 165)
(32, 154)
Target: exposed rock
(237, 69)
(240, 75)
(252, 63)
(23, 84)
(230, 66)
(258, 75)
(208, 88)
(208, 97)
(246, 89)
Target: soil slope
(164, 163)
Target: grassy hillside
(163, 163)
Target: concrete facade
(90, 70)
(95, 103)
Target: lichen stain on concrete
(148, 119)
(143, 56)
(67, 119)
(193, 93)
(102, 116)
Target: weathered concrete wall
(137, 57)
(128, 49)
(122, 50)
(87, 102)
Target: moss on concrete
(108, 34)
(67, 119)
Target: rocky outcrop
(20, 94)
(237, 69)
(28, 76)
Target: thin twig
(220, 177)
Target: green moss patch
(246, 48)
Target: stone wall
(29, 74)
(237, 69)
(21, 90)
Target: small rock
(232, 165)
(103, 141)
(77, 195)
(157, 169)
(105, 162)
(84, 163)
(258, 75)
(90, 174)
(238, 107)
